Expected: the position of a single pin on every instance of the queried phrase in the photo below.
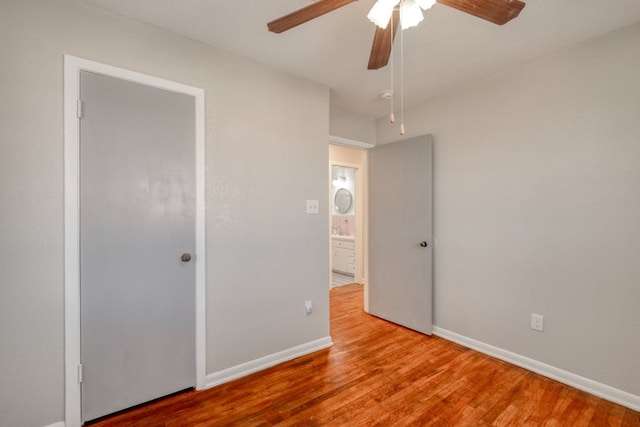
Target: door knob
(424, 244)
(186, 257)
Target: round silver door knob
(186, 257)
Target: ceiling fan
(496, 11)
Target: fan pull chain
(401, 82)
(392, 117)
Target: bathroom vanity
(344, 254)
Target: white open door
(400, 233)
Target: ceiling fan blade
(305, 14)
(382, 42)
(497, 11)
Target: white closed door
(400, 233)
(137, 219)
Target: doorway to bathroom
(347, 202)
(392, 237)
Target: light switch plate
(313, 207)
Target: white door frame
(353, 143)
(72, 68)
(361, 175)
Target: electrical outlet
(537, 322)
(313, 207)
(308, 307)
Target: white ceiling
(448, 49)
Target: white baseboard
(58, 424)
(590, 386)
(256, 365)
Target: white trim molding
(72, 68)
(585, 384)
(265, 362)
(349, 142)
(58, 424)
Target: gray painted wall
(537, 208)
(266, 153)
(351, 125)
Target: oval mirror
(343, 201)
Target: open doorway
(343, 225)
(347, 173)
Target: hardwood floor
(379, 374)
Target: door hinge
(79, 373)
(79, 109)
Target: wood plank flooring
(379, 374)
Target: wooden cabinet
(344, 255)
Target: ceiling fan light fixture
(380, 13)
(410, 14)
(425, 4)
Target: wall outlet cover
(537, 322)
(313, 207)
